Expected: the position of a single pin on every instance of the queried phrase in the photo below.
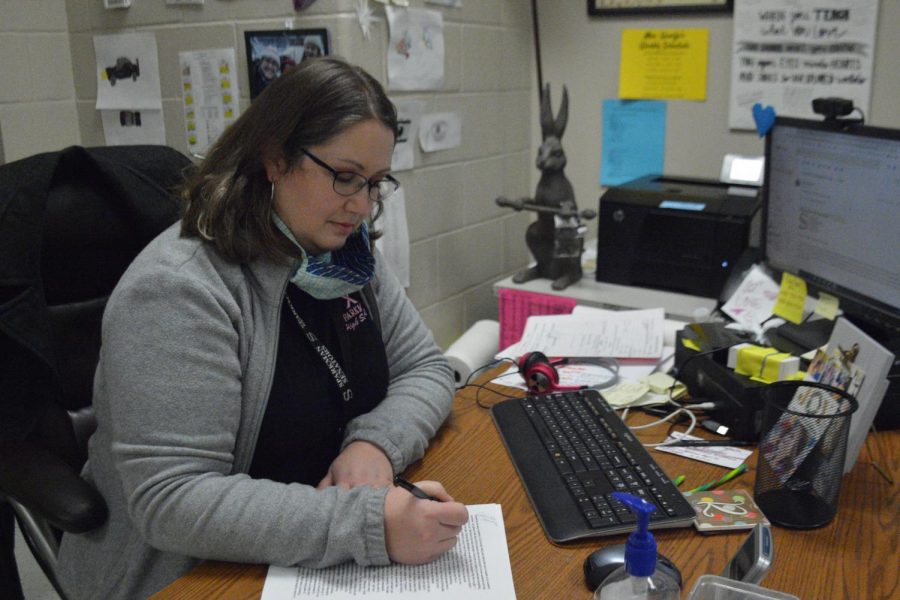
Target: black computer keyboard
(572, 451)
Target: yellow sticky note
(660, 383)
(690, 344)
(827, 306)
(664, 64)
(791, 298)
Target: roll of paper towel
(475, 348)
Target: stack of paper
(635, 335)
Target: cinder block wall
(461, 242)
(37, 98)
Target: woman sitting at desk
(262, 375)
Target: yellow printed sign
(664, 64)
(827, 306)
(791, 298)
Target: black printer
(674, 233)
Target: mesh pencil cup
(801, 452)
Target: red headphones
(541, 376)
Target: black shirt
(304, 422)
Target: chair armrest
(39, 480)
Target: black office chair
(70, 224)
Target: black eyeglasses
(347, 183)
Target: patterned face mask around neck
(333, 274)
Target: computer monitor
(831, 214)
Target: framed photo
(270, 54)
(672, 7)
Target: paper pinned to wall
(440, 131)
(130, 127)
(634, 140)
(209, 95)
(787, 53)
(394, 244)
(664, 64)
(127, 71)
(409, 114)
(415, 49)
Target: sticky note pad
(827, 306)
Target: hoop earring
(272, 194)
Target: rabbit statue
(556, 238)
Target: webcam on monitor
(835, 109)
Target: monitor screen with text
(832, 212)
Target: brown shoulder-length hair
(227, 201)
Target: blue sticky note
(634, 140)
(764, 117)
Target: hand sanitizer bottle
(639, 579)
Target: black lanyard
(331, 363)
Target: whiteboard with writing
(788, 52)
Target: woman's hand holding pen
(360, 463)
(418, 531)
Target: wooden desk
(854, 557)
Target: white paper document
(409, 113)
(730, 457)
(210, 98)
(787, 52)
(477, 568)
(126, 127)
(415, 58)
(623, 334)
(440, 131)
(394, 244)
(752, 303)
(127, 71)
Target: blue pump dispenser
(639, 578)
(640, 550)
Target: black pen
(710, 443)
(413, 489)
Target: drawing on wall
(440, 131)
(127, 71)
(129, 127)
(123, 69)
(415, 49)
(409, 112)
(270, 54)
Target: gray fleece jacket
(186, 364)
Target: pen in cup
(414, 489)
